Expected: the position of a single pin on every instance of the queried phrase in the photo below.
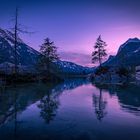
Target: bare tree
(17, 29)
(15, 37)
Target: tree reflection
(50, 102)
(15, 99)
(99, 105)
(49, 105)
(128, 97)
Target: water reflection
(17, 99)
(128, 97)
(50, 102)
(72, 109)
(48, 106)
(100, 105)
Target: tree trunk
(100, 63)
(16, 24)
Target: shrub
(102, 70)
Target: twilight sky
(74, 25)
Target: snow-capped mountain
(28, 57)
(25, 54)
(128, 54)
(65, 67)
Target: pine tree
(48, 54)
(99, 51)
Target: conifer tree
(99, 51)
(48, 54)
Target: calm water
(74, 110)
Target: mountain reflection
(50, 102)
(24, 95)
(48, 97)
(15, 100)
(128, 97)
(26, 110)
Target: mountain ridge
(28, 57)
(25, 54)
(128, 54)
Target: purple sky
(74, 25)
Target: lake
(72, 110)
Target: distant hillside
(28, 57)
(25, 54)
(127, 55)
(65, 67)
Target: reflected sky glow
(74, 109)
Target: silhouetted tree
(48, 54)
(99, 51)
(99, 105)
(48, 105)
(15, 39)
(15, 31)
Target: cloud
(79, 58)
